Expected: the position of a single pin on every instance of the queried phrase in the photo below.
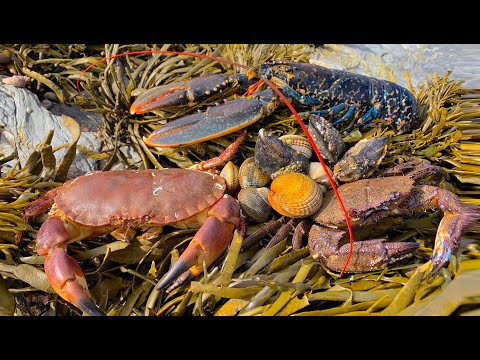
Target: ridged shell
(299, 143)
(254, 203)
(231, 176)
(250, 175)
(317, 173)
(295, 195)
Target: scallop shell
(299, 143)
(230, 174)
(295, 195)
(250, 175)
(254, 203)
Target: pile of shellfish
(282, 177)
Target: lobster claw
(215, 121)
(187, 93)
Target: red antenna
(280, 94)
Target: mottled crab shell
(295, 195)
(367, 198)
(156, 197)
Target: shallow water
(420, 60)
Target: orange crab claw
(210, 241)
(63, 272)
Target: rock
(26, 123)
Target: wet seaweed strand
(280, 94)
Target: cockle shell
(295, 195)
(250, 174)
(254, 203)
(231, 176)
(299, 143)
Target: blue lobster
(339, 95)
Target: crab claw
(367, 255)
(210, 241)
(187, 93)
(63, 272)
(456, 219)
(215, 121)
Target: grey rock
(26, 123)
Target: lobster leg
(210, 241)
(63, 272)
(216, 121)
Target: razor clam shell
(275, 157)
(361, 160)
(250, 174)
(327, 138)
(254, 203)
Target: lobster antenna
(280, 94)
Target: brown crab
(367, 201)
(116, 202)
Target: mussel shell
(254, 203)
(231, 175)
(299, 143)
(327, 138)
(295, 195)
(361, 160)
(274, 157)
(250, 174)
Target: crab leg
(215, 121)
(457, 217)
(63, 272)
(367, 255)
(210, 241)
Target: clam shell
(250, 174)
(275, 157)
(299, 143)
(254, 203)
(317, 173)
(295, 195)
(230, 174)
